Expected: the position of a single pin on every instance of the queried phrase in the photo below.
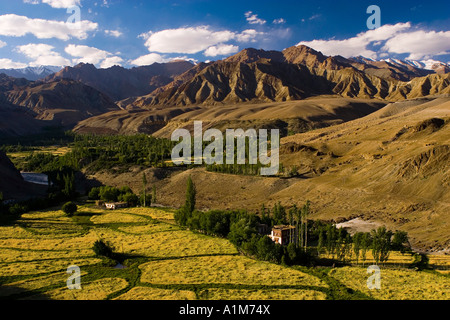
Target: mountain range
(81, 93)
(295, 73)
(31, 73)
(120, 83)
(26, 107)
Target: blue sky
(133, 33)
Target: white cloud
(193, 40)
(2, 44)
(248, 35)
(59, 4)
(253, 18)
(279, 21)
(420, 44)
(221, 50)
(400, 38)
(18, 26)
(62, 3)
(93, 55)
(111, 61)
(314, 17)
(152, 58)
(148, 59)
(113, 33)
(43, 55)
(358, 45)
(9, 64)
(185, 40)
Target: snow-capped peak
(32, 73)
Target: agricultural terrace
(165, 261)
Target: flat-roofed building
(284, 234)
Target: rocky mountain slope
(297, 73)
(63, 102)
(120, 83)
(27, 107)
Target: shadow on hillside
(12, 293)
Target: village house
(284, 234)
(116, 205)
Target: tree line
(314, 238)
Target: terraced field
(163, 261)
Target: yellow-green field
(164, 261)
(54, 150)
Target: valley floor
(164, 261)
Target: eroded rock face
(296, 73)
(426, 164)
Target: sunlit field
(54, 150)
(397, 284)
(166, 262)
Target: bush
(94, 194)
(70, 208)
(18, 209)
(104, 249)
(420, 261)
(130, 198)
(109, 194)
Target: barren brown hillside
(289, 117)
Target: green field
(164, 261)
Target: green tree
(348, 248)
(190, 196)
(420, 261)
(94, 194)
(242, 231)
(304, 216)
(144, 187)
(340, 244)
(366, 243)
(268, 250)
(292, 214)
(69, 185)
(130, 198)
(357, 244)
(381, 244)
(145, 200)
(399, 240)
(109, 194)
(154, 194)
(321, 241)
(69, 208)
